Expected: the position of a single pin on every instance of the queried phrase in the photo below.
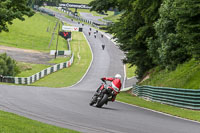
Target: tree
(167, 49)
(8, 66)
(12, 9)
(187, 14)
(105, 5)
(102, 5)
(133, 28)
(177, 33)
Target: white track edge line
(124, 76)
(160, 112)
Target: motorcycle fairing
(102, 86)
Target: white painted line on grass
(89, 65)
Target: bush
(8, 66)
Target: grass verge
(11, 123)
(186, 75)
(113, 18)
(28, 69)
(130, 71)
(59, 60)
(78, 1)
(71, 75)
(175, 111)
(33, 33)
(94, 13)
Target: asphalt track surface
(69, 107)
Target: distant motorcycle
(103, 94)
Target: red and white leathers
(116, 85)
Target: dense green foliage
(137, 25)
(8, 66)
(12, 9)
(177, 33)
(153, 33)
(187, 14)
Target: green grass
(186, 75)
(28, 69)
(59, 60)
(11, 123)
(113, 18)
(71, 75)
(78, 1)
(130, 71)
(33, 33)
(175, 111)
(54, 9)
(110, 13)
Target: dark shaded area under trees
(153, 33)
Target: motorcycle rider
(115, 84)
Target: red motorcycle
(103, 94)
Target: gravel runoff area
(29, 56)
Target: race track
(69, 107)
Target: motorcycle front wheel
(103, 100)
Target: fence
(39, 75)
(185, 98)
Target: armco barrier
(185, 98)
(39, 75)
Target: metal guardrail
(37, 76)
(185, 98)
